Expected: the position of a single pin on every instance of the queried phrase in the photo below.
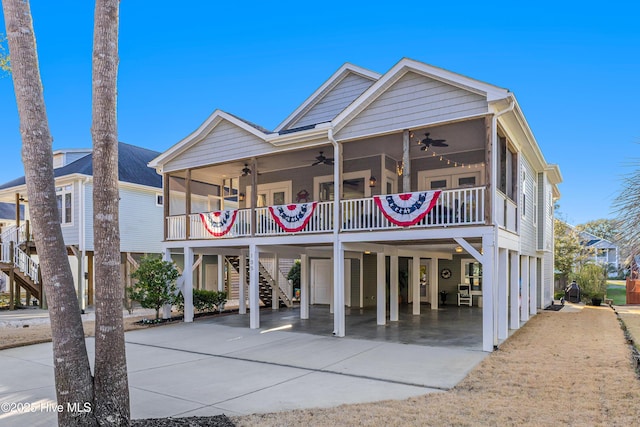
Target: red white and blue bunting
(294, 217)
(220, 222)
(407, 209)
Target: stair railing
(25, 263)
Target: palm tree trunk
(111, 383)
(74, 385)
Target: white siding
(330, 105)
(527, 228)
(547, 278)
(225, 142)
(414, 100)
(141, 223)
(70, 232)
(545, 214)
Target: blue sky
(574, 68)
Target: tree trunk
(111, 384)
(71, 365)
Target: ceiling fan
(429, 142)
(321, 159)
(246, 171)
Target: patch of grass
(618, 293)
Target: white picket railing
(25, 263)
(463, 206)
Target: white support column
(488, 284)
(524, 288)
(393, 288)
(187, 291)
(254, 296)
(503, 302)
(242, 291)
(275, 300)
(220, 273)
(304, 286)
(533, 286)
(514, 294)
(381, 294)
(433, 283)
(338, 290)
(415, 283)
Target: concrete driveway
(205, 368)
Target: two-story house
(390, 188)
(140, 218)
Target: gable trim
(205, 128)
(326, 87)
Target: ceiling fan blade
(439, 144)
(317, 162)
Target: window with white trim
(159, 199)
(535, 203)
(524, 193)
(64, 200)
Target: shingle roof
(8, 211)
(132, 167)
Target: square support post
(338, 290)
(220, 273)
(489, 338)
(187, 290)
(514, 294)
(434, 286)
(381, 294)
(304, 286)
(415, 283)
(254, 296)
(533, 286)
(242, 291)
(524, 288)
(393, 288)
(503, 301)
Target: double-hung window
(64, 199)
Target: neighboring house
(467, 198)
(140, 216)
(601, 251)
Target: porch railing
(454, 207)
(463, 206)
(26, 264)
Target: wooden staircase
(266, 284)
(17, 263)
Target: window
(535, 203)
(472, 274)
(65, 205)
(507, 177)
(524, 193)
(159, 199)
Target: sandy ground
(571, 367)
(561, 368)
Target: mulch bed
(214, 421)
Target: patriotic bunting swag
(407, 209)
(294, 217)
(219, 223)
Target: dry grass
(16, 336)
(561, 368)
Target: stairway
(13, 260)
(266, 284)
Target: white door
(277, 193)
(321, 278)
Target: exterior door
(321, 278)
(273, 194)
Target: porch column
(415, 284)
(338, 289)
(187, 204)
(304, 286)
(254, 296)
(187, 290)
(514, 294)
(393, 288)
(533, 286)
(220, 273)
(381, 294)
(524, 288)
(503, 301)
(488, 285)
(406, 162)
(433, 283)
(275, 301)
(242, 291)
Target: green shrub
(592, 279)
(203, 300)
(294, 276)
(156, 283)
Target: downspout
(494, 199)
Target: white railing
(15, 234)
(176, 227)
(463, 206)
(25, 263)
(453, 207)
(5, 252)
(241, 226)
(506, 212)
(321, 221)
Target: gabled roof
(337, 77)
(132, 167)
(8, 211)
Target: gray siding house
(389, 188)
